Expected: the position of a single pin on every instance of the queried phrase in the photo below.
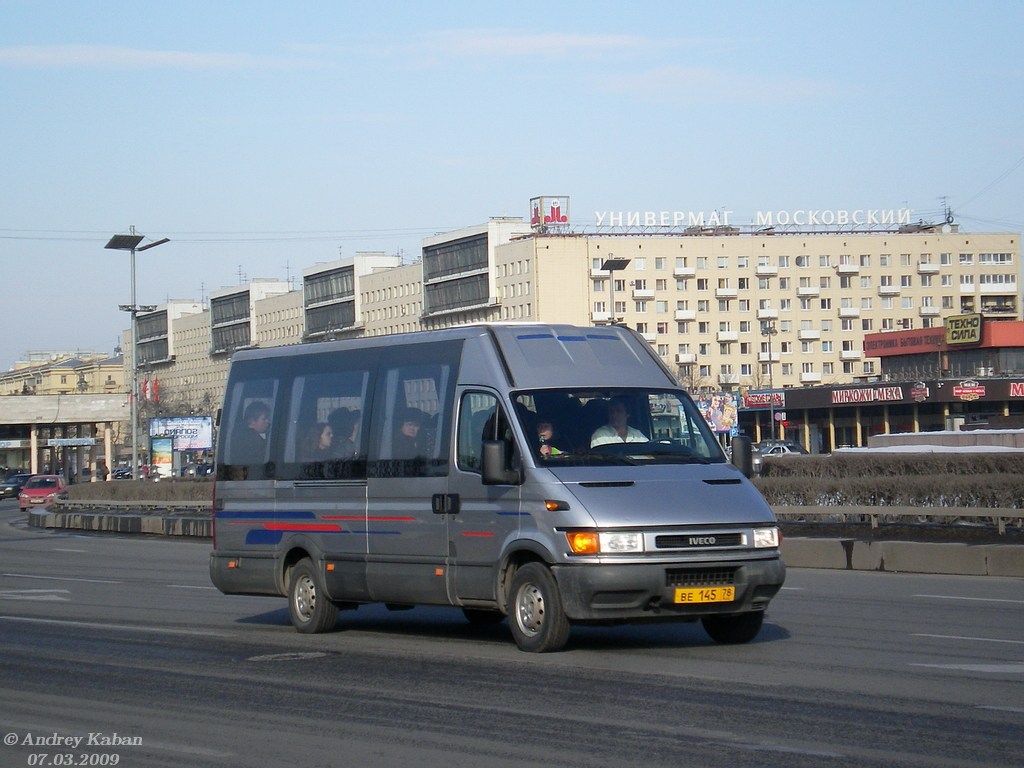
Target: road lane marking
(128, 627)
(58, 578)
(970, 639)
(974, 599)
(190, 586)
(36, 595)
(1014, 710)
(62, 549)
(1013, 668)
(297, 656)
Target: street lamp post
(613, 265)
(768, 330)
(130, 242)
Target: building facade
(732, 312)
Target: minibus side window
(476, 424)
(325, 426)
(413, 421)
(246, 453)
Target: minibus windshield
(594, 427)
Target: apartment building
(729, 310)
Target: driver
(617, 430)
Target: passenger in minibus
(317, 443)
(345, 423)
(405, 444)
(617, 430)
(548, 442)
(249, 445)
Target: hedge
(982, 480)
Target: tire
(310, 610)
(481, 618)
(734, 629)
(536, 617)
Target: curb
(1005, 560)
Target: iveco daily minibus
(553, 475)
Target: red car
(41, 491)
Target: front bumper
(609, 592)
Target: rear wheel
(734, 629)
(536, 617)
(311, 612)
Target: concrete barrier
(905, 556)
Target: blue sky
(264, 137)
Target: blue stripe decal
(263, 537)
(533, 336)
(280, 515)
(602, 336)
(572, 338)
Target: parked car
(780, 447)
(41, 491)
(11, 487)
(122, 473)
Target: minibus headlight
(606, 543)
(622, 541)
(766, 538)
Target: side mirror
(495, 464)
(743, 455)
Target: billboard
(189, 433)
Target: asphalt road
(124, 642)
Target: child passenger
(546, 438)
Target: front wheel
(734, 629)
(311, 612)
(536, 617)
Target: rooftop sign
(810, 218)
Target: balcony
(764, 357)
(728, 378)
(766, 270)
(888, 290)
(726, 293)
(595, 272)
(808, 334)
(851, 354)
(727, 336)
(929, 311)
(927, 269)
(600, 317)
(998, 288)
(650, 338)
(684, 272)
(767, 314)
(643, 293)
(686, 358)
(812, 377)
(849, 311)
(848, 269)
(805, 291)
(686, 314)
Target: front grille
(700, 577)
(698, 541)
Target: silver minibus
(551, 475)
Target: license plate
(705, 595)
